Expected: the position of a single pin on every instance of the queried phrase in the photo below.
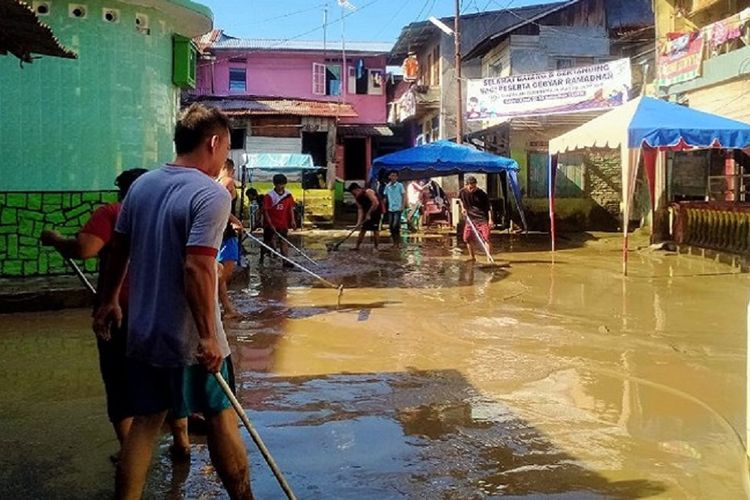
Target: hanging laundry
(410, 67)
(360, 68)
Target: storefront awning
(364, 131)
(23, 34)
(260, 106)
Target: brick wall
(23, 216)
(604, 180)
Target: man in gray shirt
(170, 228)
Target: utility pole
(459, 93)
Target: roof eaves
(22, 33)
(485, 45)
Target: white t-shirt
(413, 193)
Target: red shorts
(482, 228)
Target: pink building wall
(288, 75)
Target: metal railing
(729, 187)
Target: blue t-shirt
(166, 211)
(395, 194)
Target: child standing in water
(278, 216)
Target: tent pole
(632, 158)
(551, 170)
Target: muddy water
(435, 379)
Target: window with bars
(564, 62)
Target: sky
(375, 20)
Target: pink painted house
(298, 97)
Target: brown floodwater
(435, 379)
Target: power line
(393, 18)
(279, 44)
(293, 13)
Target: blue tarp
(278, 162)
(439, 159)
(662, 124)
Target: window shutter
(319, 79)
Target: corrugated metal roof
(475, 28)
(23, 34)
(228, 42)
(248, 106)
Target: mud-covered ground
(435, 379)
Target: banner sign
(680, 60)
(572, 90)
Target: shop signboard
(681, 59)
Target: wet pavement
(435, 379)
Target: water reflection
(449, 441)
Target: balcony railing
(733, 187)
(721, 226)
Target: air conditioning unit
(110, 15)
(77, 11)
(142, 24)
(41, 8)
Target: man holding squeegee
(169, 229)
(93, 239)
(475, 207)
(278, 217)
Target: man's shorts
(182, 390)
(113, 367)
(230, 250)
(269, 235)
(373, 223)
(482, 228)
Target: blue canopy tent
(648, 127)
(442, 158)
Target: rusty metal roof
(23, 34)
(259, 105)
(364, 130)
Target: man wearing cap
(92, 240)
(475, 206)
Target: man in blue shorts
(169, 229)
(229, 252)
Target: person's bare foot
(231, 314)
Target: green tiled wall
(73, 125)
(23, 216)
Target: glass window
(237, 79)
(570, 176)
(333, 79)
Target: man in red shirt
(93, 239)
(278, 216)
